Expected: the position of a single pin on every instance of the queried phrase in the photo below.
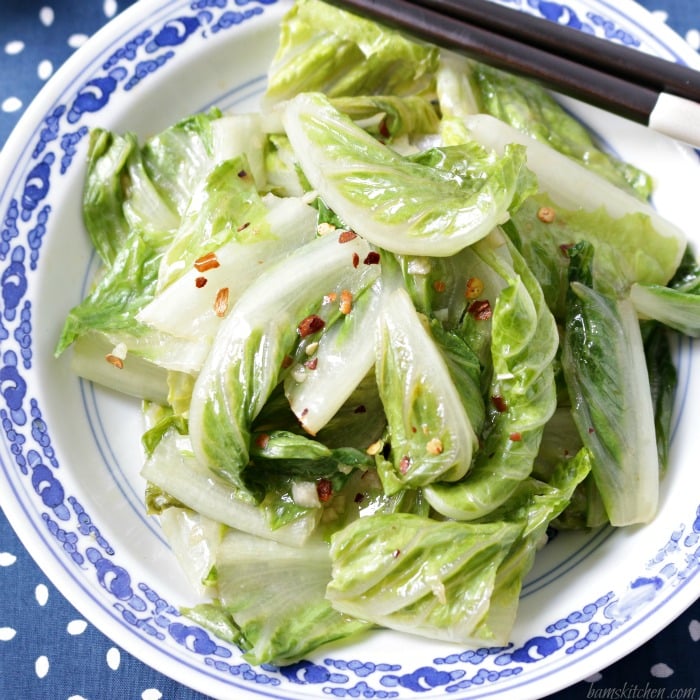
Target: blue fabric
(47, 650)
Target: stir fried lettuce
(389, 332)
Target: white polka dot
(76, 697)
(11, 104)
(110, 7)
(661, 15)
(76, 627)
(693, 38)
(46, 16)
(41, 666)
(41, 593)
(114, 658)
(75, 41)
(6, 634)
(661, 670)
(14, 47)
(44, 69)
(7, 559)
(151, 694)
(694, 630)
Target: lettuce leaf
(401, 204)
(418, 575)
(430, 433)
(605, 369)
(522, 394)
(326, 49)
(275, 317)
(532, 110)
(275, 596)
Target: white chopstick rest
(677, 117)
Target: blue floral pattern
(26, 221)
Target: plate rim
(13, 150)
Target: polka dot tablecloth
(47, 650)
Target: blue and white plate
(70, 454)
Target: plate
(69, 451)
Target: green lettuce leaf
(109, 157)
(388, 117)
(221, 208)
(323, 48)
(429, 427)
(522, 394)
(146, 188)
(185, 300)
(172, 468)
(418, 575)
(535, 504)
(124, 288)
(396, 203)
(179, 156)
(276, 317)
(275, 596)
(605, 369)
(627, 250)
(675, 309)
(329, 371)
(572, 187)
(531, 109)
(663, 382)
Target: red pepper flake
(311, 364)
(439, 286)
(384, 129)
(500, 403)
(262, 440)
(404, 464)
(480, 310)
(345, 302)
(515, 437)
(200, 282)
(311, 324)
(287, 361)
(360, 409)
(355, 259)
(115, 361)
(324, 489)
(565, 247)
(346, 236)
(591, 431)
(359, 497)
(242, 174)
(396, 553)
(244, 226)
(330, 298)
(208, 261)
(221, 302)
(372, 258)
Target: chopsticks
(646, 89)
(579, 46)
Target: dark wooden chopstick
(616, 59)
(615, 90)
